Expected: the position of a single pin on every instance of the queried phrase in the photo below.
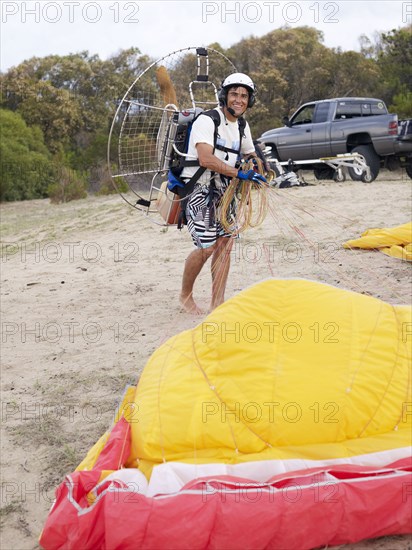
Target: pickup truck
(342, 125)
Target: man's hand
(251, 175)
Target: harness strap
(228, 149)
(190, 185)
(186, 163)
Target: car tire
(371, 159)
(408, 169)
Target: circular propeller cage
(144, 126)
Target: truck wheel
(371, 159)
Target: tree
(395, 62)
(56, 111)
(26, 168)
(402, 105)
(351, 74)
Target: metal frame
(338, 163)
(165, 138)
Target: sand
(90, 290)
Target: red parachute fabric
(299, 510)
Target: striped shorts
(202, 213)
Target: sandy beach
(90, 289)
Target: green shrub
(102, 182)
(402, 104)
(69, 187)
(26, 167)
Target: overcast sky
(39, 28)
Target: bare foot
(189, 305)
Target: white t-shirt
(228, 136)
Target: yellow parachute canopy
(394, 241)
(286, 369)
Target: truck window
(354, 109)
(379, 108)
(366, 109)
(304, 116)
(322, 112)
(347, 110)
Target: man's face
(237, 99)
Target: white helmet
(238, 79)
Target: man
(237, 93)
